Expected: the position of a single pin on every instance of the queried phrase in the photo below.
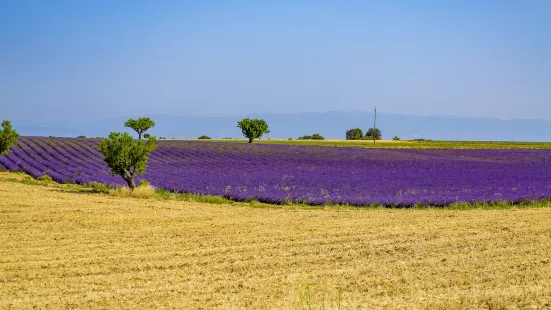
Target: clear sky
(87, 60)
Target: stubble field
(60, 249)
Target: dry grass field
(60, 249)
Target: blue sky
(87, 60)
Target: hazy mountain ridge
(331, 125)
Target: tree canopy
(253, 128)
(354, 134)
(378, 134)
(8, 137)
(315, 136)
(140, 125)
(126, 156)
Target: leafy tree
(203, 137)
(146, 136)
(378, 134)
(81, 137)
(125, 156)
(140, 125)
(354, 134)
(253, 128)
(317, 136)
(395, 138)
(8, 137)
(305, 138)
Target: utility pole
(374, 125)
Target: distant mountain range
(331, 125)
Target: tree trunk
(139, 135)
(130, 182)
(250, 140)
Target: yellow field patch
(76, 250)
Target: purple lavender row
(47, 167)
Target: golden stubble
(70, 250)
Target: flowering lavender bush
(313, 175)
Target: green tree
(395, 138)
(253, 128)
(317, 136)
(140, 125)
(8, 137)
(354, 134)
(125, 156)
(369, 134)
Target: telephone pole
(374, 125)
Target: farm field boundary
(407, 144)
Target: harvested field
(60, 249)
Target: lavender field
(308, 174)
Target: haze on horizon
(89, 60)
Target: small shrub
(204, 137)
(99, 188)
(375, 205)
(143, 191)
(290, 139)
(250, 199)
(3, 170)
(81, 137)
(16, 170)
(30, 181)
(163, 193)
(45, 178)
(68, 181)
(122, 191)
(143, 183)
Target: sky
(90, 60)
